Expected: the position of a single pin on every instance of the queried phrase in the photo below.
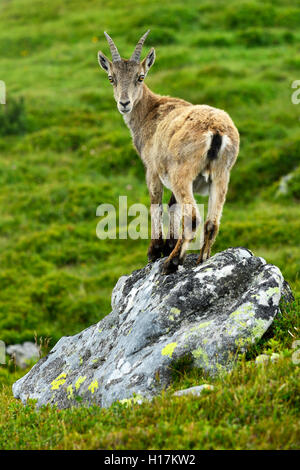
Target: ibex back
(184, 147)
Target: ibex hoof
(199, 260)
(202, 258)
(171, 265)
(155, 250)
(153, 257)
(169, 246)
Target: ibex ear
(149, 60)
(104, 62)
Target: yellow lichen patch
(131, 401)
(272, 290)
(70, 394)
(93, 386)
(175, 311)
(200, 356)
(266, 295)
(260, 328)
(60, 380)
(169, 349)
(196, 328)
(245, 309)
(201, 325)
(79, 381)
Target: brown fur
(173, 137)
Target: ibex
(184, 147)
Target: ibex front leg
(190, 221)
(156, 191)
(217, 196)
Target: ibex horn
(113, 48)
(138, 48)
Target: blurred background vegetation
(64, 148)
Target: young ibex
(184, 147)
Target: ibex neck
(136, 118)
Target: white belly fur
(200, 185)
(165, 181)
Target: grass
(64, 150)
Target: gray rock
(204, 314)
(283, 185)
(196, 391)
(23, 353)
(288, 183)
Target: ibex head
(126, 76)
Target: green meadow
(64, 150)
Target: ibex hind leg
(190, 221)
(217, 196)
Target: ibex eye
(111, 79)
(141, 78)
